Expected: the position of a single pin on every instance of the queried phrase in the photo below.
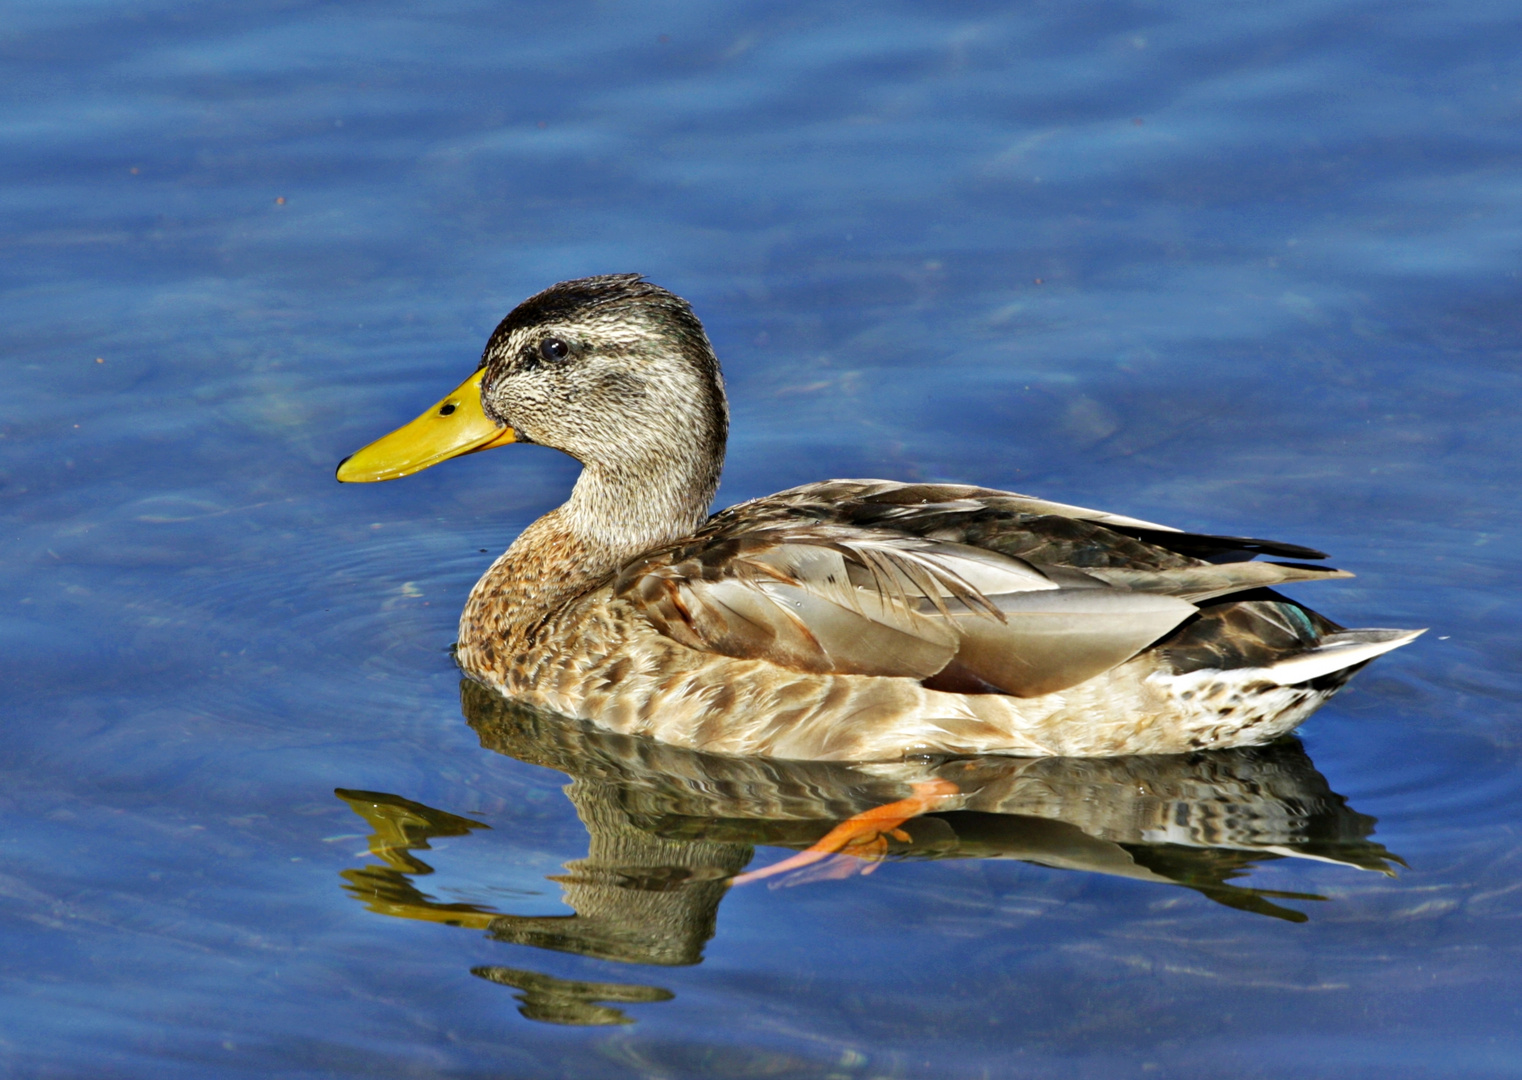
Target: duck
(845, 620)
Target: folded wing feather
(840, 601)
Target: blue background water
(1236, 267)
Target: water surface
(1235, 268)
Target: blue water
(1236, 267)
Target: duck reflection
(669, 829)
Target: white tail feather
(1338, 651)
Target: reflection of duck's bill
(391, 892)
(456, 425)
(398, 827)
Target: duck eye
(553, 349)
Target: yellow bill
(457, 425)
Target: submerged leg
(865, 835)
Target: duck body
(851, 620)
(705, 644)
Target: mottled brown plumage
(852, 619)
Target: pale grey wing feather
(735, 618)
(794, 605)
(1050, 641)
(858, 644)
(1053, 631)
(907, 569)
(1197, 583)
(797, 604)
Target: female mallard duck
(850, 619)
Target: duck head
(612, 370)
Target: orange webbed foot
(860, 843)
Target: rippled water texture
(1243, 268)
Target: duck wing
(965, 589)
(1008, 522)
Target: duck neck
(616, 513)
(652, 482)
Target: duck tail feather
(1337, 652)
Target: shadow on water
(669, 828)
